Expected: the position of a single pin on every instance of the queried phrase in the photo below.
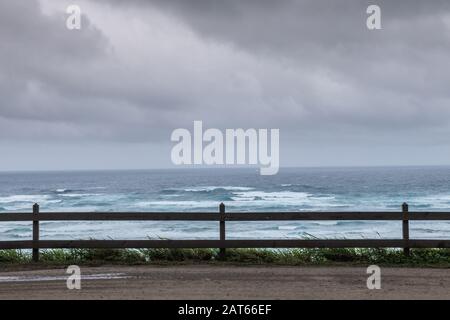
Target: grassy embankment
(418, 257)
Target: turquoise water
(305, 189)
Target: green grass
(395, 257)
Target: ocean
(243, 190)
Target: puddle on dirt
(98, 276)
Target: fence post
(35, 232)
(222, 229)
(405, 228)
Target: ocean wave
(18, 230)
(67, 190)
(210, 188)
(79, 195)
(62, 190)
(269, 196)
(438, 202)
(24, 198)
(287, 227)
(282, 197)
(25, 202)
(25, 206)
(177, 204)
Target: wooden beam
(222, 230)
(268, 243)
(230, 216)
(35, 232)
(405, 228)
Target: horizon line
(192, 167)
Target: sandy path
(227, 282)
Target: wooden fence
(404, 215)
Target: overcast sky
(109, 95)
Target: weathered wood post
(222, 230)
(405, 228)
(35, 232)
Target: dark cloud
(39, 63)
(139, 69)
(396, 75)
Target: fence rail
(405, 242)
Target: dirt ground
(226, 282)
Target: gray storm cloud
(139, 69)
